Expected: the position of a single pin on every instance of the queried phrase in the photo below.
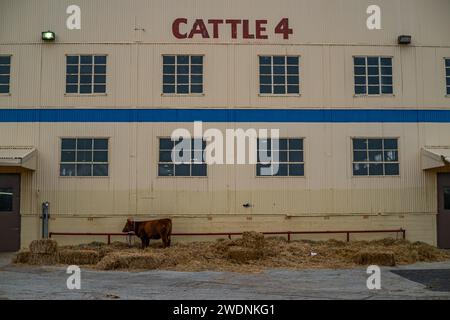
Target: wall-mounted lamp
(404, 39)
(48, 36)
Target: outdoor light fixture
(404, 39)
(48, 36)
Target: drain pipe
(45, 217)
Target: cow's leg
(147, 242)
(168, 241)
(144, 241)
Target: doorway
(443, 217)
(9, 212)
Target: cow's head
(129, 226)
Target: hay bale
(381, 258)
(252, 239)
(78, 257)
(243, 254)
(22, 257)
(43, 259)
(44, 246)
(129, 260)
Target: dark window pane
(373, 71)
(386, 61)
(72, 79)
(169, 69)
(169, 89)
(279, 80)
(282, 144)
(182, 170)
(169, 79)
(196, 89)
(374, 89)
(360, 71)
(84, 156)
(165, 170)
(196, 59)
(296, 144)
(183, 89)
(375, 169)
(372, 61)
(292, 70)
(293, 89)
(282, 170)
(86, 79)
(296, 170)
(67, 170)
(165, 156)
(100, 69)
(265, 80)
(85, 59)
(5, 69)
(295, 156)
(360, 156)
(166, 143)
(68, 144)
(4, 79)
(101, 144)
(265, 89)
(4, 88)
(448, 81)
(447, 62)
(265, 70)
(447, 72)
(374, 80)
(360, 169)
(99, 88)
(390, 156)
(265, 60)
(182, 79)
(69, 69)
(359, 61)
(376, 156)
(386, 80)
(279, 60)
(279, 70)
(360, 90)
(86, 69)
(84, 144)
(86, 89)
(391, 169)
(168, 59)
(181, 69)
(100, 170)
(5, 59)
(197, 69)
(100, 79)
(182, 59)
(390, 143)
(292, 60)
(293, 80)
(72, 59)
(387, 90)
(279, 89)
(199, 170)
(100, 156)
(100, 59)
(67, 156)
(197, 79)
(282, 156)
(359, 144)
(360, 80)
(84, 170)
(375, 144)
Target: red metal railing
(229, 234)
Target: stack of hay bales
(252, 248)
(43, 252)
(78, 257)
(129, 260)
(381, 258)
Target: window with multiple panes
(183, 74)
(375, 157)
(85, 74)
(196, 166)
(290, 157)
(84, 157)
(373, 75)
(279, 75)
(447, 75)
(5, 73)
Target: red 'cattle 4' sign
(213, 28)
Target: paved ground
(24, 282)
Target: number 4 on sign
(283, 28)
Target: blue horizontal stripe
(223, 115)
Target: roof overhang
(435, 157)
(15, 156)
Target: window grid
(372, 154)
(383, 71)
(447, 75)
(73, 167)
(97, 75)
(174, 87)
(292, 164)
(5, 74)
(289, 64)
(167, 168)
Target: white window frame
(78, 94)
(285, 76)
(189, 94)
(367, 76)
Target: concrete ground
(26, 282)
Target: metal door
(9, 212)
(443, 218)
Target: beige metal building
(365, 120)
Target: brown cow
(152, 229)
